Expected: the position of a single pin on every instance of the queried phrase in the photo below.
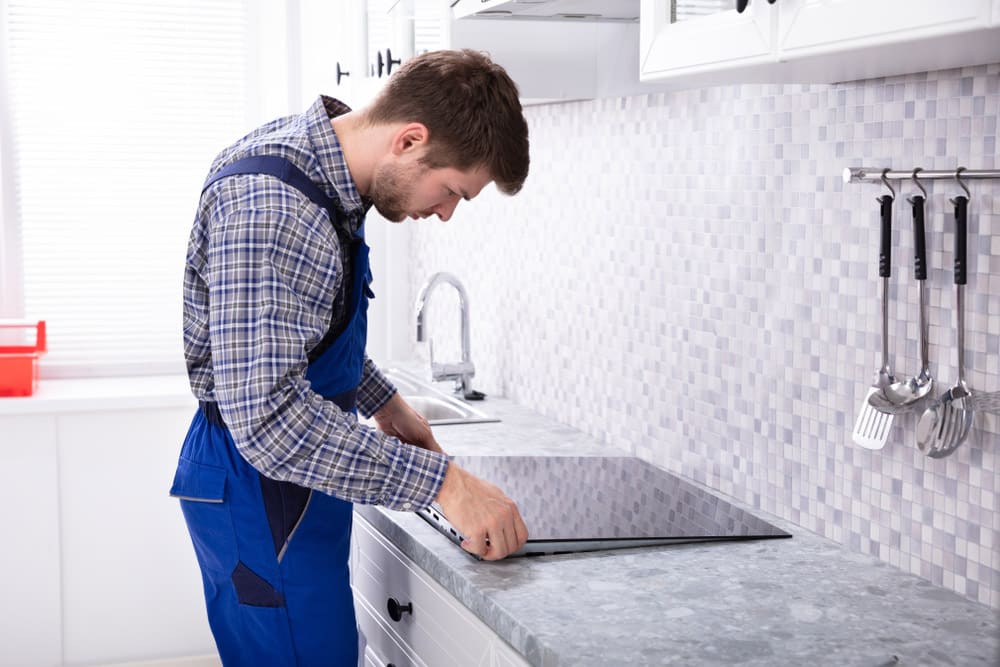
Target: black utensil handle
(919, 243)
(885, 246)
(741, 5)
(961, 222)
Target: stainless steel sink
(437, 407)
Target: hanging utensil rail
(875, 174)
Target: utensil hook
(885, 182)
(917, 183)
(961, 183)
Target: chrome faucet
(463, 371)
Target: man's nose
(446, 209)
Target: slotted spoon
(946, 423)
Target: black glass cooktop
(589, 503)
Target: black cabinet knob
(397, 610)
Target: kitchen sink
(436, 406)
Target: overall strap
(284, 170)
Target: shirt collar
(331, 155)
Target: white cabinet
(327, 53)
(996, 12)
(558, 60)
(391, 32)
(409, 619)
(719, 40)
(827, 26)
(818, 41)
(99, 565)
(30, 615)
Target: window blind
(117, 108)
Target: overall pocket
(202, 491)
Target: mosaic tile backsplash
(685, 276)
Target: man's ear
(410, 137)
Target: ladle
(946, 423)
(903, 395)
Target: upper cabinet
(682, 43)
(349, 48)
(556, 49)
(817, 41)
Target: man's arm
(270, 274)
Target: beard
(392, 188)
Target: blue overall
(274, 555)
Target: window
(110, 114)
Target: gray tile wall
(686, 276)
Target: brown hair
(470, 107)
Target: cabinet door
(328, 48)
(674, 44)
(30, 618)
(393, 31)
(130, 581)
(809, 27)
(505, 656)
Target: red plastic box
(19, 358)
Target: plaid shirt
(263, 282)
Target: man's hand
(398, 419)
(488, 519)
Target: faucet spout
(463, 371)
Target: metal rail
(877, 174)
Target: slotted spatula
(871, 430)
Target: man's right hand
(488, 519)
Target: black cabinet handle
(741, 5)
(397, 610)
(341, 73)
(389, 62)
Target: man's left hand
(398, 419)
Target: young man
(276, 289)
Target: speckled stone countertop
(800, 601)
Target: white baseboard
(193, 661)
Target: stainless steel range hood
(615, 11)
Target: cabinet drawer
(439, 629)
(382, 649)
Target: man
(276, 289)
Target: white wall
(686, 275)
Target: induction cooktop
(590, 503)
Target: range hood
(613, 11)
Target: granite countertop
(800, 601)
